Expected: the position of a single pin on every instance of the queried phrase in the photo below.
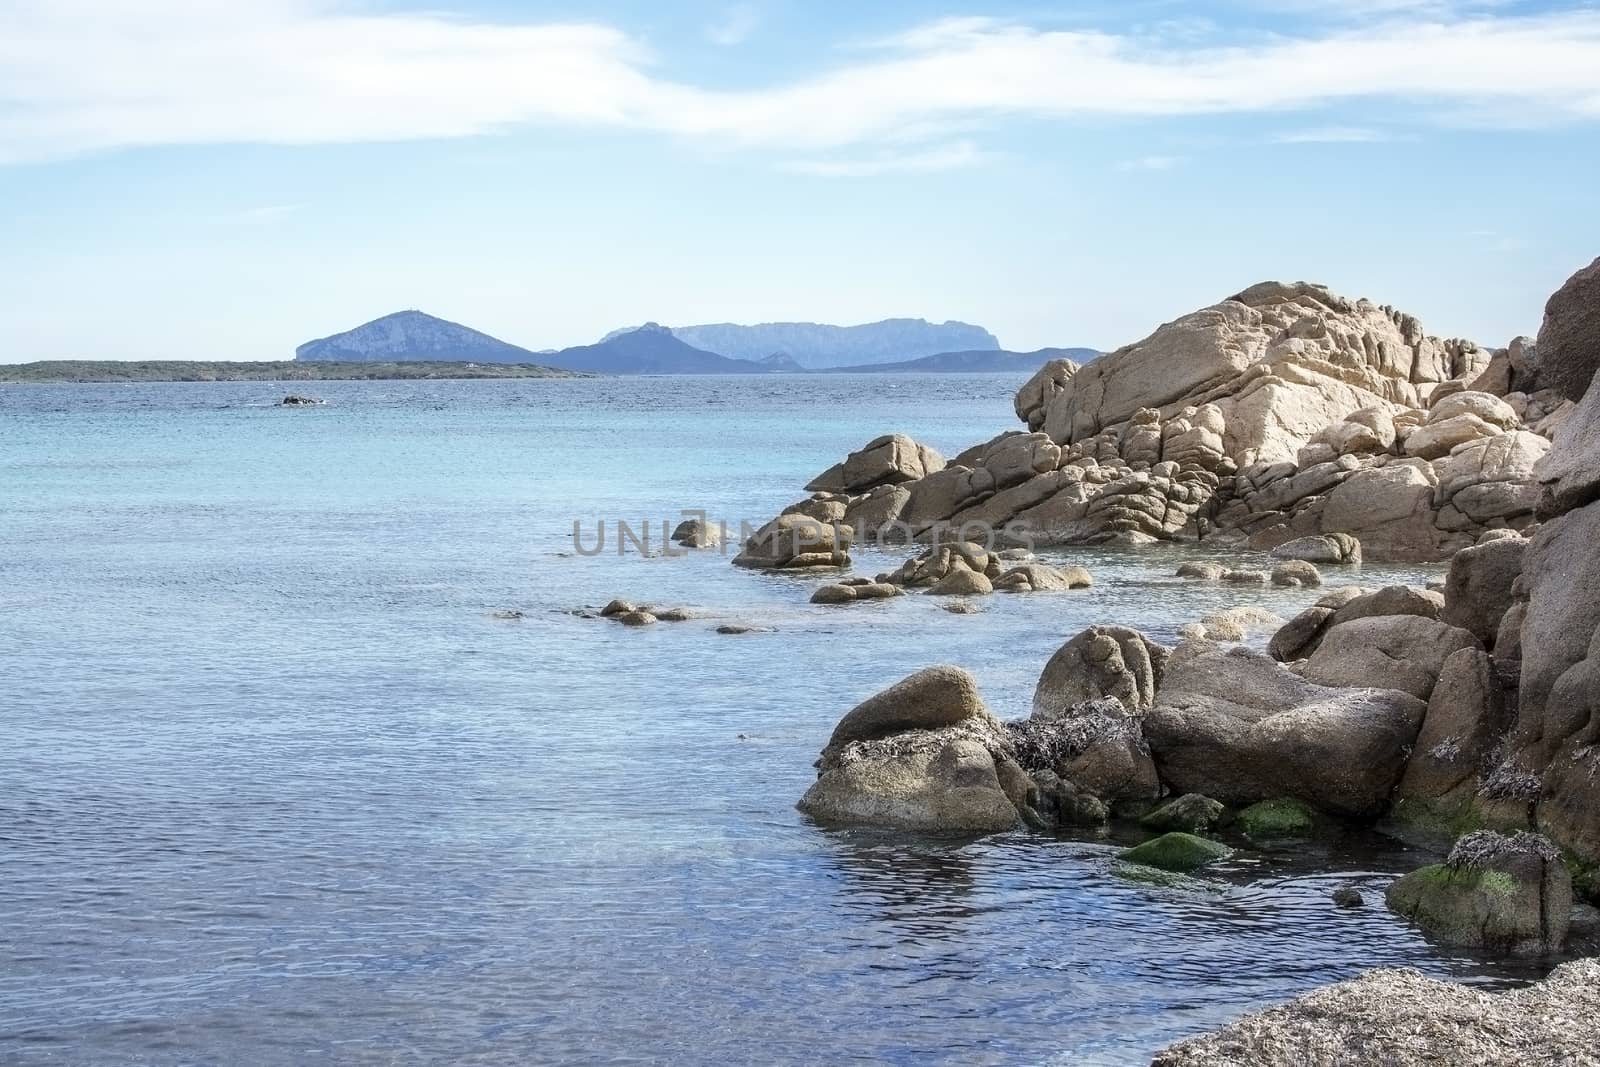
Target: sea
(312, 751)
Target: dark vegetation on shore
(111, 370)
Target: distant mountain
(411, 335)
(815, 345)
(983, 360)
(650, 349)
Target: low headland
(112, 370)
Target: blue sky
(224, 179)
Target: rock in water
(1102, 661)
(1399, 1018)
(887, 460)
(794, 541)
(925, 780)
(1277, 819)
(1323, 548)
(1510, 895)
(1178, 852)
(1569, 338)
(1238, 727)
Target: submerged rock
(636, 618)
(1400, 1018)
(1282, 818)
(1510, 895)
(1296, 572)
(1348, 896)
(1178, 852)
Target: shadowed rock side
(1399, 1018)
(1281, 414)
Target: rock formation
(1282, 414)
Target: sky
(226, 179)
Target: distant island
(892, 345)
(414, 345)
(818, 346)
(114, 370)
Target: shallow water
(280, 788)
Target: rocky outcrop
(1102, 661)
(1399, 1018)
(888, 460)
(1569, 338)
(1240, 728)
(794, 541)
(1508, 895)
(1285, 412)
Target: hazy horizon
(225, 181)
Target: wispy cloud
(91, 75)
(1150, 163)
(734, 26)
(1334, 135)
(260, 215)
(943, 157)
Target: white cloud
(89, 75)
(735, 25)
(1334, 135)
(943, 157)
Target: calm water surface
(277, 787)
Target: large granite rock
(925, 781)
(1508, 895)
(887, 460)
(1102, 661)
(795, 541)
(1468, 715)
(1569, 338)
(1240, 728)
(1401, 652)
(1400, 1018)
(1279, 361)
(924, 754)
(1477, 591)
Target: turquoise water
(279, 786)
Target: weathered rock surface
(928, 781)
(924, 754)
(1401, 652)
(1102, 661)
(1477, 592)
(1400, 1018)
(1095, 746)
(1282, 413)
(1238, 727)
(1467, 718)
(1510, 895)
(1191, 813)
(1569, 338)
(795, 541)
(1042, 578)
(888, 460)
